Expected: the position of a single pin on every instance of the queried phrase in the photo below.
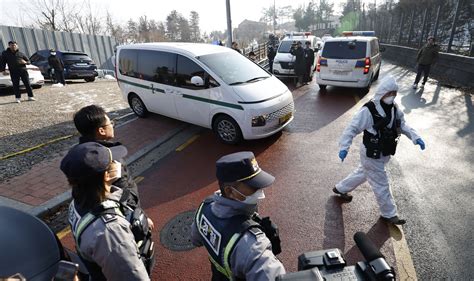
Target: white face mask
(117, 171)
(388, 100)
(253, 198)
(53, 53)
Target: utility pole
(274, 17)
(229, 25)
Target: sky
(212, 13)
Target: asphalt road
(432, 188)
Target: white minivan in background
(206, 85)
(350, 61)
(283, 63)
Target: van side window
(187, 69)
(157, 66)
(128, 63)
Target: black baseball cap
(11, 42)
(90, 158)
(242, 167)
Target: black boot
(345, 196)
(394, 220)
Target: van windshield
(344, 50)
(233, 68)
(285, 46)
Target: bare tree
(87, 19)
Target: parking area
(48, 119)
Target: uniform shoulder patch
(256, 231)
(106, 218)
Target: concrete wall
(452, 69)
(99, 48)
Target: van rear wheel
(322, 87)
(137, 105)
(377, 75)
(227, 130)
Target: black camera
(330, 265)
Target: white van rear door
(344, 60)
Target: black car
(77, 65)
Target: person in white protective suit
(382, 122)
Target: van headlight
(259, 121)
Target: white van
(206, 85)
(350, 61)
(283, 64)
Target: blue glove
(342, 154)
(420, 143)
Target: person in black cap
(241, 245)
(58, 66)
(112, 238)
(17, 62)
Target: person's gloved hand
(420, 143)
(342, 154)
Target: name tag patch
(210, 234)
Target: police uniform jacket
(110, 243)
(252, 257)
(13, 60)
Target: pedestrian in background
(253, 56)
(58, 66)
(382, 122)
(235, 46)
(17, 62)
(241, 245)
(427, 56)
(94, 125)
(309, 61)
(299, 64)
(271, 53)
(113, 237)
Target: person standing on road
(241, 245)
(17, 62)
(58, 66)
(271, 53)
(309, 60)
(300, 64)
(94, 125)
(427, 56)
(113, 237)
(382, 122)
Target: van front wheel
(227, 130)
(137, 105)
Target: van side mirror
(382, 49)
(197, 81)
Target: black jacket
(13, 60)
(300, 64)
(126, 181)
(309, 57)
(56, 63)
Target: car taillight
(367, 65)
(321, 62)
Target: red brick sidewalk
(45, 181)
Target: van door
(345, 60)
(193, 103)
(157, 72)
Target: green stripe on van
(226, 104)
(142, 86)
(231, 105)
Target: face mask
(117, 171)
(252, 199)
(53, 54)
(388, 100)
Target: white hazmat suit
(370, 169)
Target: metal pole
(229, 24)
(411, 26)
(424, 27)
(274, 17)
(453, 28)
(437, 21)
(400, 31)
(390, 29)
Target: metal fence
(450, 21)
(99, 48)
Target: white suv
(352, 61)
